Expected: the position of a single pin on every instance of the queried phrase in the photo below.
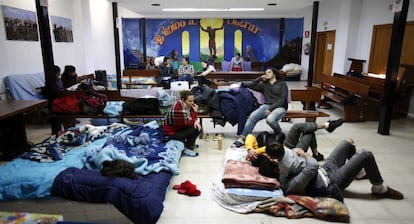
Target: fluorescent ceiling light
(212, 9)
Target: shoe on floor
(237, 144)
(190, 191)
(318, 157)
(183, 185)
(189, 152)
(334, 124)
(390, 193)
(195, 146)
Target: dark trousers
(187, 135)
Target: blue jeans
(272, 119)
(344, 163)
(186, 77)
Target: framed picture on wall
(62, 29)
(20, 24)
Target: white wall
(92, 48)
(18, 57)
(103, 51)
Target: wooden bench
(310, 95)
(149, 73)
(339, 90)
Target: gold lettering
(159, 40)
(244, 24)
(165, 30)
(256, 30)
(191, 22)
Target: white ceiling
(146, 10)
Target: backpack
(142, 106)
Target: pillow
(158, 60)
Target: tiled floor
(394, 155)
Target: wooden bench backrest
(308, 95)
(349, 85)
(376, 85)
(141, 72)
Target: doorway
(324, 52)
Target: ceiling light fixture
(212, 9)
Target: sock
(327, 124)
(240, 140)
(379, 188)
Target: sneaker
(334, 124)
(195, 146)
(390, 193)
(237, 144)
(189, 152)
(318, 157)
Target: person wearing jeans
(275, 93)
(339, 170)
(302, 135)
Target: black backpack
(142, 106)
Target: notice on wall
(329, 47)
(397, 5)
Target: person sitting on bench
(275, 92)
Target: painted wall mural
(258, 40)
(132, 42)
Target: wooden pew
(130, 73)
(339, 90)
(309, 96)
(404, 85)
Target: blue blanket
(25, 179)
(140, 199)
(142, 146)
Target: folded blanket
(238, 174)
(328, 209)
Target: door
(380, 44)
(324, 52)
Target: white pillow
(159, 60)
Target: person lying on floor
(300, 135)
(181, 121)
(330, 179)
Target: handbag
(66, 105)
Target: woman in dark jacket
(69, 76)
